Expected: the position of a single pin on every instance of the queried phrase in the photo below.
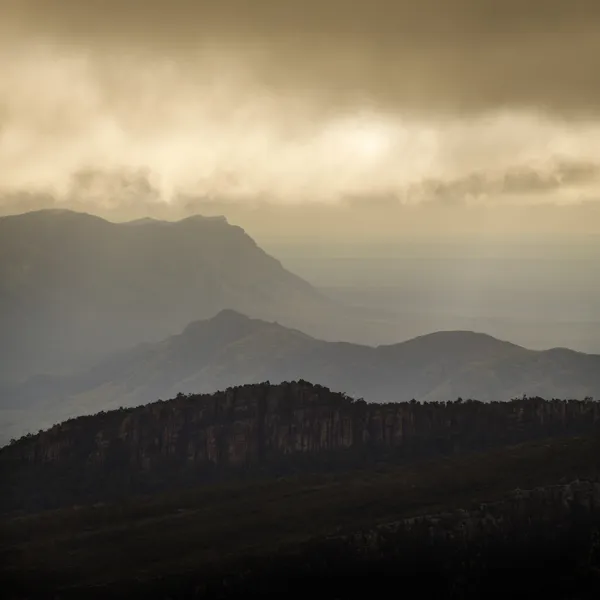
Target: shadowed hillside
(450, 527)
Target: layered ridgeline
(232, 349)
(262, 427)
(74, 287)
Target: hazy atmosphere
(299, 290)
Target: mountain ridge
(262, 426)
(233, 349)
(75, 287)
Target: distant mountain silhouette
(75, 288)
(232, 349)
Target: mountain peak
(226, 320)
(67, 213)
(229, 314)
(53, 213)
(454, 338)
(204, 219)
(143, 221)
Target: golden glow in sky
(299, 103)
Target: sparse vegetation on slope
(275, 429)
(269, 527)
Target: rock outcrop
(263, 426)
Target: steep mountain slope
(232, 349)
(74, 287)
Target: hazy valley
(538, 291)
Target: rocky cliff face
(265, 426)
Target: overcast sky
(138, 106)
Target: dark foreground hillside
(362, 531)
(294, 490)
(262, 428)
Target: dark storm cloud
(133, 193)
(528, 180)
(521, 181)
(439, 55)
(134, 106)
(127, 188)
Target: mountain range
(75, 288)
(232, 349)
(248, 466)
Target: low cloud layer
(563, 182)
(297, 102)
